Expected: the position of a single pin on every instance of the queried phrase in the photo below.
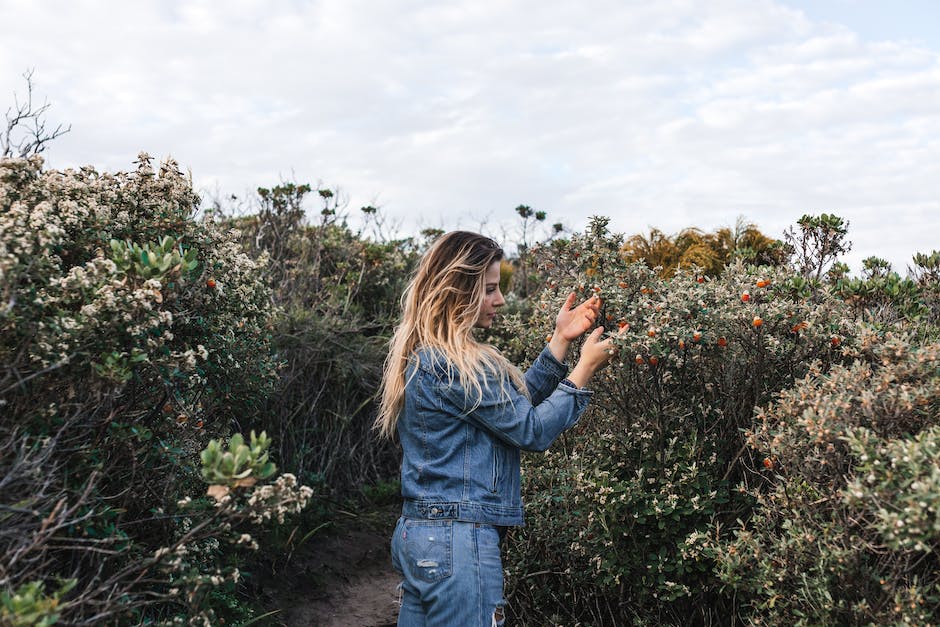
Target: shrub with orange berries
(661, 438)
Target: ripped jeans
(453, 574)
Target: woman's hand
(595, 353)
(573, 321)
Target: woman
(463, 413)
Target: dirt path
(344, 578)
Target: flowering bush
(844, 528)
(615, 508)
(130, 333)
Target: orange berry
(836, 340)
(623, 285)
(700, 279)
(199, 424)
(722, 342)
(768, 463)
(681, 344)
(210, 283)
(757, 322)
(639, 359)
(548, 338)
(610, 317)
(651, 332)
(696, 336)
(653, 360)
(746, 296)
(622, 324)
(763, 283)
(181, 419)
(597, 289)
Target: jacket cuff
(569, 386)
(550, 364)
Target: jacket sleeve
(543, 376)
(512, 417)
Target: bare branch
(26, 132)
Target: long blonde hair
(439, 309)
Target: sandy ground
(344, 578)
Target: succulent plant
(154, 259)
(241, 464)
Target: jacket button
(435, 511)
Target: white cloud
(669, 114)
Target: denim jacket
(461, 459)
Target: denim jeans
(453, 574)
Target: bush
(615, 508)
(845, 528)
(130, 334)
(337, 295)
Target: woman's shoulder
(431, 360)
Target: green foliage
(153, 260)
(899, 481)
(762, 449)
(679, 499)
(926, 273)
(817, 242)
(614, 512)
(240, 462)
(927, 268)
(337, 294)
(844, 528)
(130, 335)
(881, 296)
(29, 606)
(382, 492)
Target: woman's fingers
(592, 302)
(569, 302)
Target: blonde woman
(463, 413)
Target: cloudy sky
(668, 114)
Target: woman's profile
(462, 414)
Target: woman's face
(492, 299)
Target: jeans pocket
(429, 549)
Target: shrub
(337, 294)
(883, 298)
(130, 334)
(614, 509)
(844, 530)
